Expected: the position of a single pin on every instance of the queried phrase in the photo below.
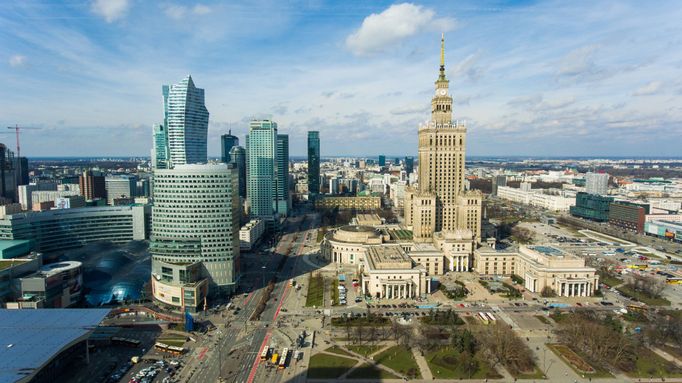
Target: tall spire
(442, 57)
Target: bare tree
(649, 285)
(502, 346)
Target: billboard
(62, 203)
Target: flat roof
(9, 243)
(7, 263)
(548, 250)
(29, 339)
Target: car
(358, 299)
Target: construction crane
(17, 129)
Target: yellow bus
(275, 358)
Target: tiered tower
(439, 203)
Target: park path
(667, 356)
(423, 366)
(363, 360)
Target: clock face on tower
(442, 92)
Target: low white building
(555, 202)
(250, 233)
(540, 267)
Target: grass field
(338, 350)
(399, 359)
(365, 350)
(367, 371)
(625, 290)
(444, 365)
(325, 366)
(650, 364)
(321, 232)
(335, 292)
(172, 340)
(315, 291)
(609, 280)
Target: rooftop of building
(7, 244)
(55, 268)
(388, 257)
(31, 338)
(7, 263)
(423, 247)
(548, 250)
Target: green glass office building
(313, 163)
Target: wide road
(240, 353)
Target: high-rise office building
(382, 161)
(282, 194)
(160, 153)
(8, 180)
(313, 163)
(22, 171)
(227, 142)
(409, 164)
(261, 156)
(92, 185)
(195, 234)
(238, 159)
(597, 183)
(120, 187)
(440, 203)
(186, 122)
(498, 180)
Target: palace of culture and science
(445, 220)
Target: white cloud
(111, 10)
(177, 12)
(649, 89)
(396, 23)
(17, 61)
(578, 61)
(201, 9)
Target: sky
(546, 78)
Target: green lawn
(320, 233)
(609, 280)
(368, 371)
(399, 359)
(650, 364)
(338, 350)
(335, 292)
(172, 340)
(365, 350)
(627, 291)
(444, 365)
(315, 291)
(325, 366)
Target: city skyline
(531, 79)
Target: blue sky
(530, 78)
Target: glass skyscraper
(409, 165)
(238, 159)
(313, 163)
(227, 142)
(382, 160)
(160, 147)
(186, 119)
(261, 156)
(194, 239)
(282, 201)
